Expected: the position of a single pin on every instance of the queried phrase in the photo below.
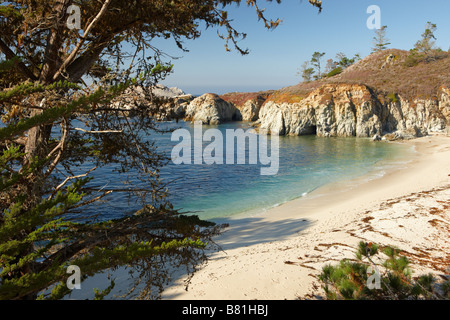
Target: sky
(276, 56)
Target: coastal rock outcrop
(211, 109)
(248, 104)
(250, 110)
(173, 108)
(159, 101)
(444, 104)
(345, 110)
(162, 91)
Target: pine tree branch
(55, 41)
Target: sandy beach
(278, 254)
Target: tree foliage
(313, 69)
(335, 72)
(344, 62)
(306, 72)
(380, 40)
(40, 236)
(330, 66)
(427, 42)
(425, 49)
(316, 62)
(365, 279)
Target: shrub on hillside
(335, 72)
(415, 57)
(392, 97)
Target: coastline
(278, 254)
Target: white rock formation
(161, 102)
(250, 110)
(210, 109)
(353, 110)
(165, 92)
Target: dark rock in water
(376, 138)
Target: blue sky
(275, 56)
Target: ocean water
(219, 191)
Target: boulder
(389, 61)
(251, 108)
(210, 109)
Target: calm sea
(219, 191)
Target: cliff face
(248, 105)
(332, 110)
(347, 110)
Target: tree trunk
(38, 137)
(55, 41)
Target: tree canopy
(44, 185)
(427, 42)
(51, 51)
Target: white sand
(278, 254)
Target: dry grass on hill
(418, 79)
(239, 98)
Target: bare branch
(59, 148)
(68, 179)
(92, 200)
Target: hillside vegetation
(390, 73)
(239, 98)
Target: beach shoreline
(278, 254)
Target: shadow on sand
(246, 232)
(242, 232)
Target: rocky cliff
(331, 110)
(391, 93)
(347, 110)
(248, 105)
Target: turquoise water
(306, 163)
(219, 191)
